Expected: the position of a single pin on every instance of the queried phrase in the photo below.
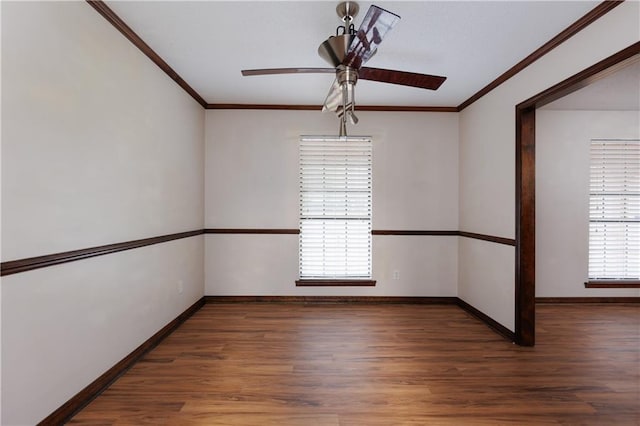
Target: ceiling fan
(347, 51)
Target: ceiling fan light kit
(347, 51)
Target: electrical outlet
(396, 274)
(180, 286)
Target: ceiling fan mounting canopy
(348, 51)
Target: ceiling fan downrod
(334, 50)
(347, 11)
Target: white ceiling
(471, 42)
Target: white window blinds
(614, 209)
(335, 207)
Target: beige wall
(487, 156)
(562, 197)
(98, 146)
(252, 182)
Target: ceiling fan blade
(268, 71)
(423, 81)
(334, 98)
(374, 27)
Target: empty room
(320, 212)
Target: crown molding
(569, 32)
(134, 38)
(287, 107)
(591, 16)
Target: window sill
(612, 284)
(335, 283)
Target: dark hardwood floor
(279, 364)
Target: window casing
(335, 207)
(614, 210)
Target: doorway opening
(525, 182)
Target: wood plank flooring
(279, 364)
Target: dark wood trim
(612, 284)
(587, 299)
(287, 107)
(412, 232)
(525, 184)
(250, 231)
(473, 235)
(594, 14)
(65, 412)
(525, 227)
(570, 31)
(406, 108)
(334, 300)
(490, 238)
(31, 263)
(134, 38)
(585, 77)
(490, 322)
(335, 283)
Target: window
(614, 210)
(335, 208)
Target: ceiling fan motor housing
(347, 75)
